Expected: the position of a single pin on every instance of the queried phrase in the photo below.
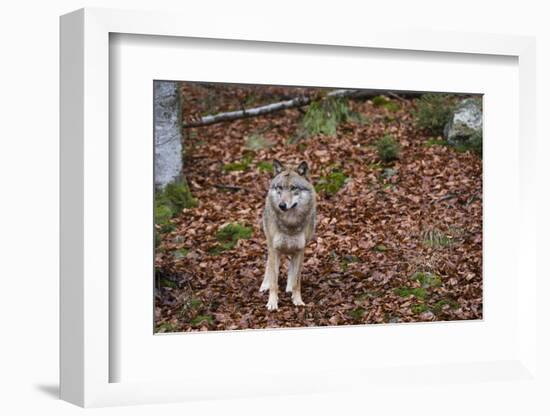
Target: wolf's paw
(264, 286)
(272, 305)
(297, 300)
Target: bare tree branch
(264, 109)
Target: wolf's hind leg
(295, 277)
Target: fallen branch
(397, 97)
(228, 187)
(264, 109)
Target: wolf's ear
(278, 167)
(302, 169)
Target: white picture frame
(86, 356)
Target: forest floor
(397, 242)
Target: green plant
(427, 279)
(435, 142)
(178, 196)
(433, 112)
(380, 248)
(230, 234)
(181, 253)
(440, 305)
(383, 101)
(388, 148)
(357, 313)
(264, 166)
(163, 214)
(419, 308)
(239, 165)
(417, 292)
(168, 202)
(256, 141)
(476, 143)
(323, 117)
(331, 183)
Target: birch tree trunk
(168, 140)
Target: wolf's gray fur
(288, 224)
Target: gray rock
(465, 123)
(168, 142)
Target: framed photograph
(281, 213)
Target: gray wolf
(289, 223)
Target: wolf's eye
(293, 188)
(279, 188)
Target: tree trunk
(168, 141)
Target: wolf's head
(291, 194)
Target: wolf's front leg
(272, 275)
(295, 278)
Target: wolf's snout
(282, 206)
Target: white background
(29, 172)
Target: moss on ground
(229, 235)
(239, 165)
(427, 279)
(169, 202)
(357, 313)
(331, 183)
(264, 166)
(385, 102)
(417, 292)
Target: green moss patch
(239, 165)
(380, 248)
(202, 319)
(181, 253)
(432, 141)
(419, 308)
(230, 234)
(357, 313)
(169, 202)
(440, 305)
(331, 183)
(417, 292)
(177, 195)
(427, 279)
(385, 102)
(264, 166)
